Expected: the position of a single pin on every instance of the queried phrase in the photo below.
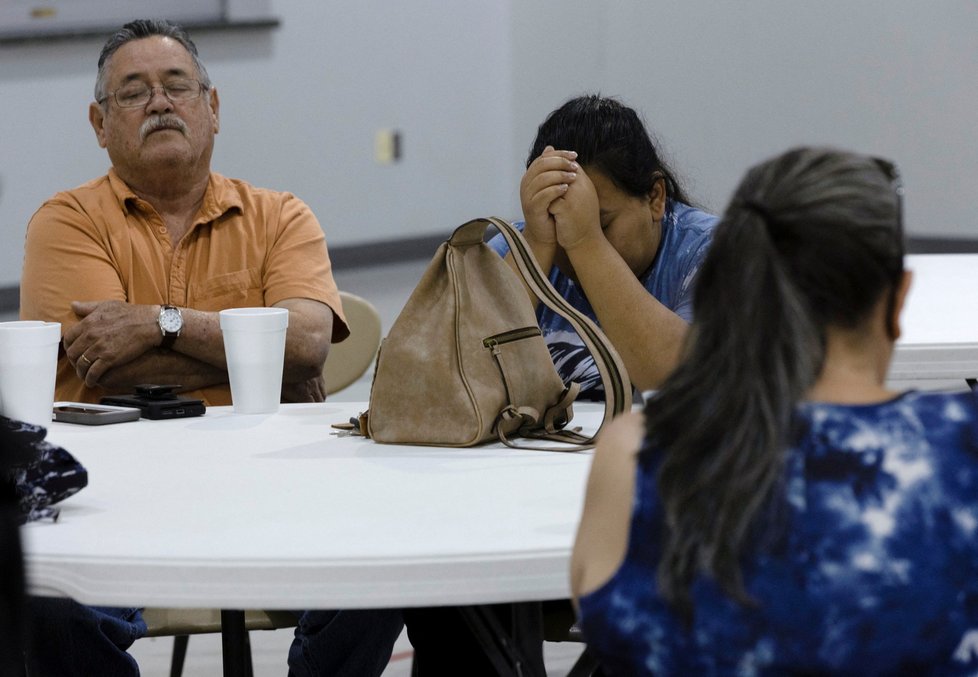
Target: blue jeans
(350, 643)
(68, 639)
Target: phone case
(152, 408)
(85, 413)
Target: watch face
(170, 320)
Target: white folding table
(282, 511)
(939, 345)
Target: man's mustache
(165, 121)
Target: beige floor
(269, 651)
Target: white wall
(303, 116)
(725, 84)
(722, 84)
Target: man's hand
(547, 179)
(311, 390)
(577, 213)
(110, 334)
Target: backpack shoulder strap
(614, 377)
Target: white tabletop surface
(940, 319)
(278, 511)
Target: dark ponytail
(810, 239)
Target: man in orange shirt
(135, 265)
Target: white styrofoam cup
(254, 344)
(28, 369)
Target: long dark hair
(811, 239)
(609, 136)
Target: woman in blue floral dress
(776, 509)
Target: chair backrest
(347, 361)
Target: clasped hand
(109, 334)
(560, 203)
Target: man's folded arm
(163, 367)
(307, 339)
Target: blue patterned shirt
(875, 572)
(686, 235)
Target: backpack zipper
(511, 335)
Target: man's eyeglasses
(137, 94)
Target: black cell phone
(156, 392)
(158, 402)
(93, 414)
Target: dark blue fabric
(874, 570)
(686, 236)
(43, 473)
(68, 639)
(353, 643)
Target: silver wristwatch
(171, 322)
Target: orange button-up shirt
(248, 247)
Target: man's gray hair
(137, 30)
